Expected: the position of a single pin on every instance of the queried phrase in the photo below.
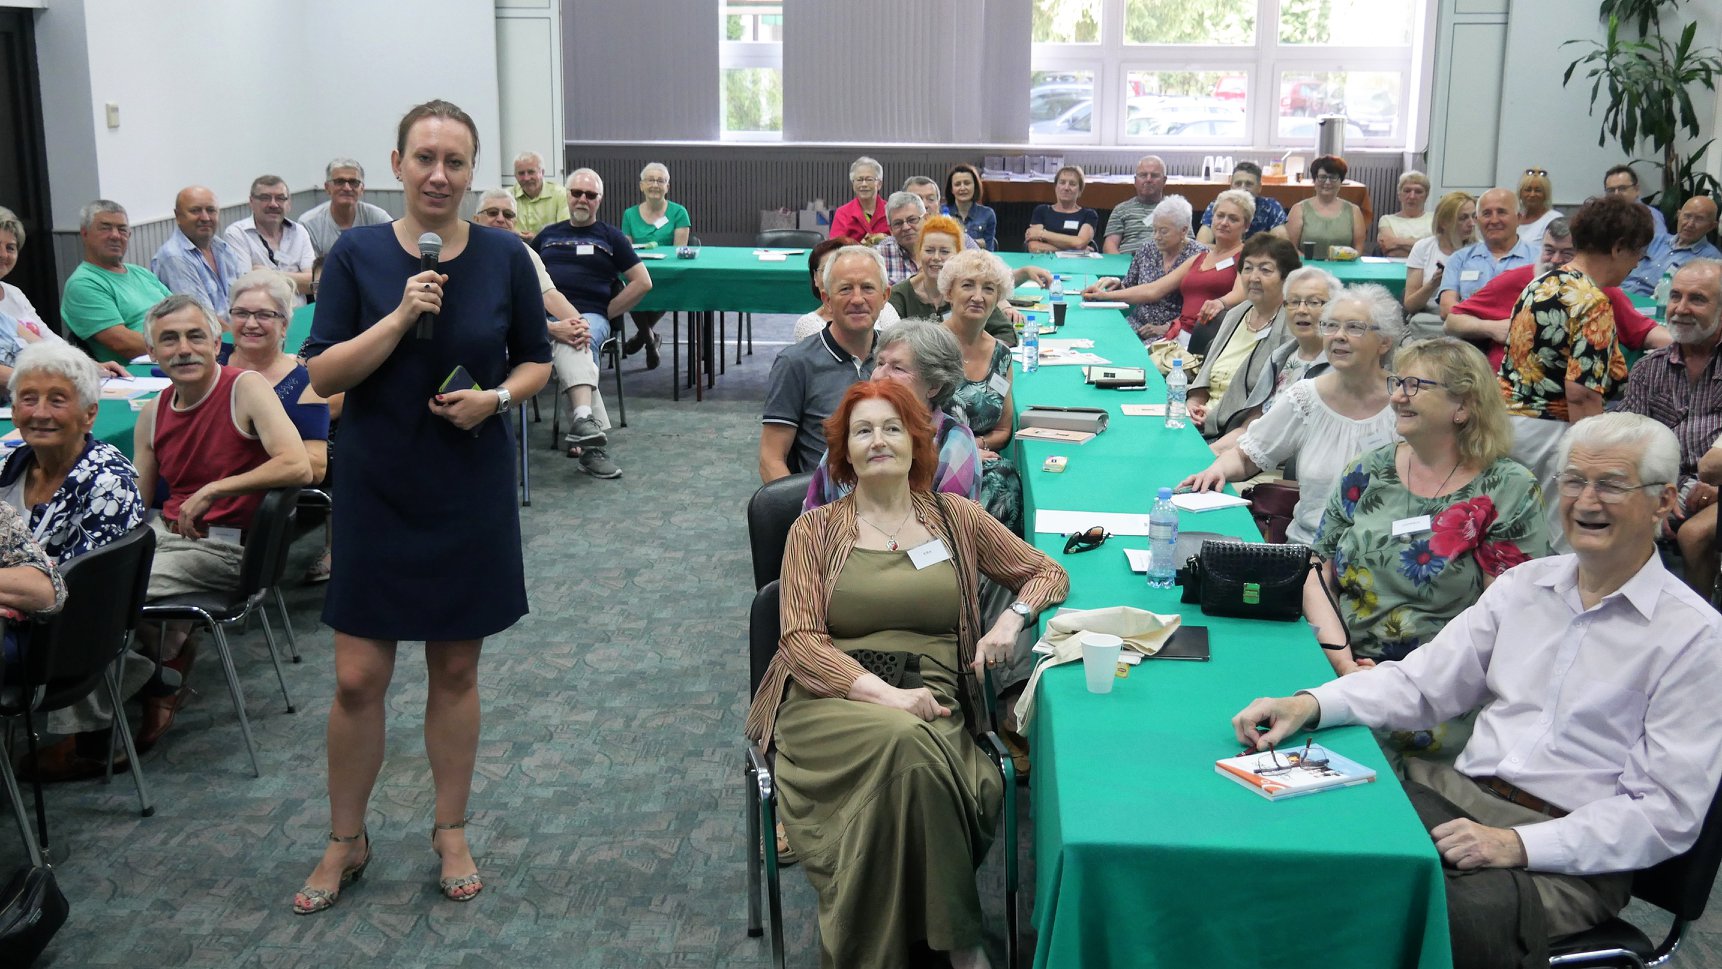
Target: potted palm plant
(1643, 83)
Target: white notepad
(1200, 501)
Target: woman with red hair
(884, 796)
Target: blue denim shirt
(982, 224)
(181, 268)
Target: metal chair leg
(676, 356)
(287, 624)
(31, 848)
(124, 730)
(754, 928)
(275, 657)
(773, 887)
(238, 695)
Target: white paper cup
(1100, 660)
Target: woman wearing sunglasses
(1418, 529)
(1327, 220)
(1326, 421)
(1535, 212)
(891, 814)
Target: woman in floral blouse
(1417, 529)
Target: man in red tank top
(220, 438)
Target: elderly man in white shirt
(1595, 754)
(271, 240)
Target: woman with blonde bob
(972, 283)
(1416, 530)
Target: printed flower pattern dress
(1562, 331)
(1396, 593)
(983, 403)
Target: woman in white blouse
(1400, 231)
(15, 304)
(1324, 421)
(1535, 211)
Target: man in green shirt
(106, 296)
(539, 203)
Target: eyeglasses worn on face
(1086, 541)
(1330, 179)
(912, 220)
(261, 316)
(346, 182)
(580, 193)
(493, 212)
(1350, 327)
(1411, 385)
(277, 199)
(1314, 304)
(1608, 491)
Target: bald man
(195, 260)
(1669, 252)
(1500, 249)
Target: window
(750, 62)
(1249, 73)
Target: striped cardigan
(819, 545)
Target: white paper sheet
(1200, 501)
(120, 388)
(1138, 559)
(1104, 304)
(1058, 344)
(1050, 522)
(1143, 410)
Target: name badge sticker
(1073, 224)
(1470, 275)
(584, 249)
(932, 553)
(1405, 527)
(1225, 263)
(998, 384)
(660, 221)
(219, 533)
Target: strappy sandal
(454, 887)
(310, 900)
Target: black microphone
(430, 247)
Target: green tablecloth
(736, 280)
(1369, 269)
(1144, 855)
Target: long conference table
(1145, 856)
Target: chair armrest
(760, 764)
(996, 752)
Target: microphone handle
(425, 327)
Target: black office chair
(761, 811)
(266, 545)
(770, 512)
(1681, 886)
(75, 652)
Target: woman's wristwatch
(1023, 609)
(503, 400)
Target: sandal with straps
(318, 899)
(454, 887)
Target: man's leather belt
(1507, 792)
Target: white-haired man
(106, 297)
(1130, 226)
(1594, 754)
(586, 258)
(538, 201)
(904, 213)
(344, 181)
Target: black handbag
(1248, 580)
(32, 909)
(897, 668)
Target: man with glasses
(904, 213)
(567, 327)
(270, 240)
(585, 258)
(1129, 227)
(1270, 214)
(1622, 182)
(1594, 754)
(195, 260)
(1483, 318)
(1470, 269)
(1668, 252)
(345, 183)
(106, 297)
(1681, 386)
(538, 202)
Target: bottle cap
(1165, 494)
(1178, 362)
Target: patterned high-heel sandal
(317, 899)
(454, 887)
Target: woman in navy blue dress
(427, 533)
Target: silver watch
(1022, 609)
(503, 400)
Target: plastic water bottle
(1031, 347)
(1163, 542)
(1056, 290)
(1177, 391)
(1663, 286)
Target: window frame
(744, 54)
(1263, 65)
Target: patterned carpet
(608, 795)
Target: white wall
(217, 92)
